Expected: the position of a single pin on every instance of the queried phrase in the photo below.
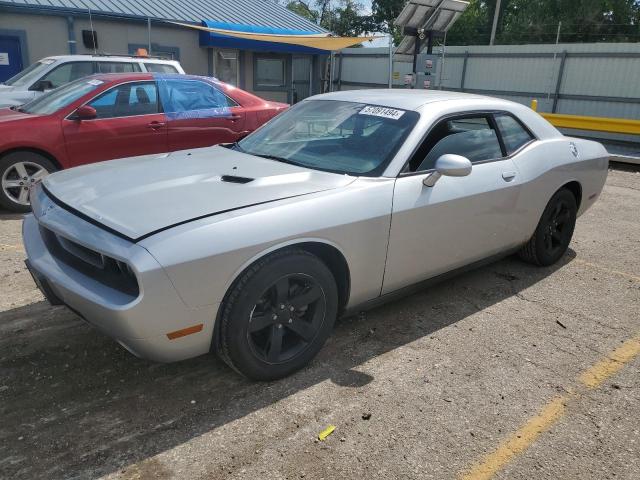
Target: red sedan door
(128, 123)
(199, 114)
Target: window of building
(225, 66)
(270, 73)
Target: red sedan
(119, 115)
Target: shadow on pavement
(75, 404)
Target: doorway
(301, 77)
(11, 56)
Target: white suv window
(117, 67)
(68, 72)
(160, 68)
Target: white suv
(52, 72)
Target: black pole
(430, 42)
(416, 51)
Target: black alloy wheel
(558, 228)
(277, 315)
(286, 318)
(553, 234)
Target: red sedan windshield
(61, 97)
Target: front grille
(113, 273)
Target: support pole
(149, 35)
(494, 27)
(390, 60)
(72, 35)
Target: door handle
(156, 125)
(508, 176)
(234, 118)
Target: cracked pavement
(445, 376)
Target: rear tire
(19, 170)
(555, 229)
(278, 315)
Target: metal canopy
(437, 15)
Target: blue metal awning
(212, 39)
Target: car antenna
(93, 32)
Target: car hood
(142, 195)
(10, 96)
(8, 115)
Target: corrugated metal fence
(581, 79)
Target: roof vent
(236, 179)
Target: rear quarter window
(514, 135)
(160, 68)
(117, 67)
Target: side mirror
(42, 85)
(450, 165)
(85, 112)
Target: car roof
(406, 99)
(107, 58)
(124, 77)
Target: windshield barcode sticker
(383, 112)
(95, 82)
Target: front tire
(18, 171)
(555, 229)
(278, 315)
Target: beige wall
(115, 37)
(46, 35)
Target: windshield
(336, 136)
(60, 97)
(30, 74)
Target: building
(33, 29)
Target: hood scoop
(236, 179)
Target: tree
(342, 17)
(384, 13)
(527, 21)
(519, 21)
(304, 10)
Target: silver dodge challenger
(347, 199)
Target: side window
(67, 72)
(160, 68)
(117, 67)
(126, 100)
(513, 133)
(470, 136)
(270, 72)
(186, 95)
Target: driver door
(459, 220)
(128, 123)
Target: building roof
(265, 13)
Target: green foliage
(520, 21)
(384, 13)
(536, 21)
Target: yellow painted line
(4, 246)
(606, 269)
(551, 413)
(598, 373)
(519, 442)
